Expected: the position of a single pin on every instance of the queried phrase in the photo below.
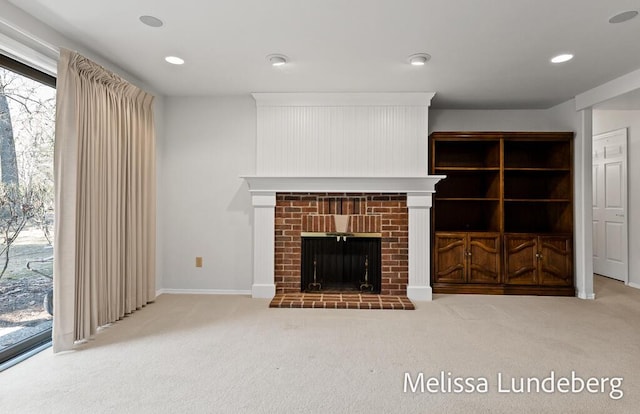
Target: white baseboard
(634, 285)
(582, 295)
(263, 291)
(202, 292)
(420, 293)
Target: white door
(610, 243)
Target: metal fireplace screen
(338, 263)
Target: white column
(583, 220)
(419, 287)
(264, 204)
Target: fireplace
(361, 155)
(376, 233)
(285, 208)
(341, 262)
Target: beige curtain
(104, 263)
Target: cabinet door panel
(556, 261)
(450, 258)
(484, 261)
(521, 260)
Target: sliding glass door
(27, 116)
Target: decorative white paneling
(613, 241)
(263, 245)
(419, 286)
(358, 135)
(613, 178)
(612, 151)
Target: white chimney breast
(342, 134)
(346, 143)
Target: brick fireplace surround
(386, 214)
(396, 207)
(369, 213)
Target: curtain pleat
(104, 160)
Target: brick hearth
(340, 301)
(313, 212)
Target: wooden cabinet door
(555, 261)
(521, 259)
(483, 252)
(449, 257)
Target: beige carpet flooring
(222, 354)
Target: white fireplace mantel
(408, 185)
(419, 190)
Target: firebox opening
(336, 262)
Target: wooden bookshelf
(502, 220)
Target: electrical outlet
(198, 261)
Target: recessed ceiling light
(565, 57)
(623, 17)
(277, 60)
(174, 60)
(419, 59)
(151, 21)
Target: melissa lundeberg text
(553, 383)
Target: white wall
(206, 207)
(557, 118)
(159, 121)
(609, 120)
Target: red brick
(399, 268)
(312, 212)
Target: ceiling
(485, 54)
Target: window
(27, 116)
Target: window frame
(37, 340)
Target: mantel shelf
(409, 185)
